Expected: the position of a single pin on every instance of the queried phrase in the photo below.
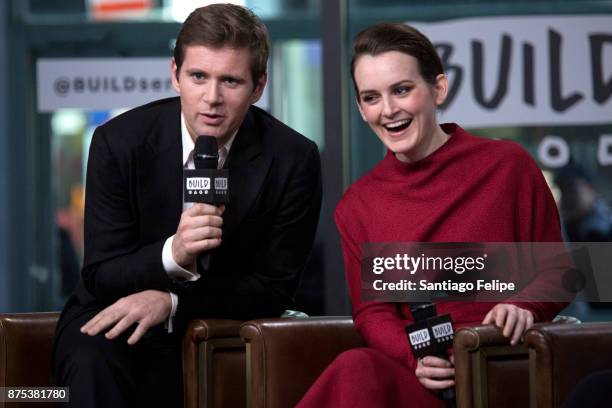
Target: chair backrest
(562, 355)
(285, 356)
(26, 342)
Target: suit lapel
(248, 166)
(160, 172)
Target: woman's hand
(436, 373)
(512, 319)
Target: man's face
(216, 90)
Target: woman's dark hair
(385, 37)
(221, 25)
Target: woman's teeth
(399, 125)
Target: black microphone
(205, 152)
(206, 183)
(431, 335)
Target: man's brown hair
(225, 25)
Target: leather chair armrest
(488, 368)
(561, 355)
(473, 338)
(26, 341)
(204, 329)
(285, 356)
(213, 346)
(491, 372)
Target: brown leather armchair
(300, 350)
(216, 363)
(489, 372)
(26, 341)
(562, 355)
(214, 374)
(285, 356)
(278, 359)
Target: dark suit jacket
(134, 203)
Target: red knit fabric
(469, 190)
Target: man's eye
(231, 81)
(198, 76)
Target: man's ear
(441, 89)
(175, 72)
(259, 87)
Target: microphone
(205, 153)
(206, 183)
(431, 335)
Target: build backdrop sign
(526, 70)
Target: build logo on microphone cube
(421, 339)
(442, 329)
(209, 186)
(198, 185)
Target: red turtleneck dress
(469, 190)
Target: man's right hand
(199, 230)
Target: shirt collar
(188, 143)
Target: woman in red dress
(437, 183)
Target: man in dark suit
(118, 342)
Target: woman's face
(399, 105)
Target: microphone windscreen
(205, 153)
(422, 311)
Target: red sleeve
(379, 323)
(538, 221)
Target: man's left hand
(147, 308)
